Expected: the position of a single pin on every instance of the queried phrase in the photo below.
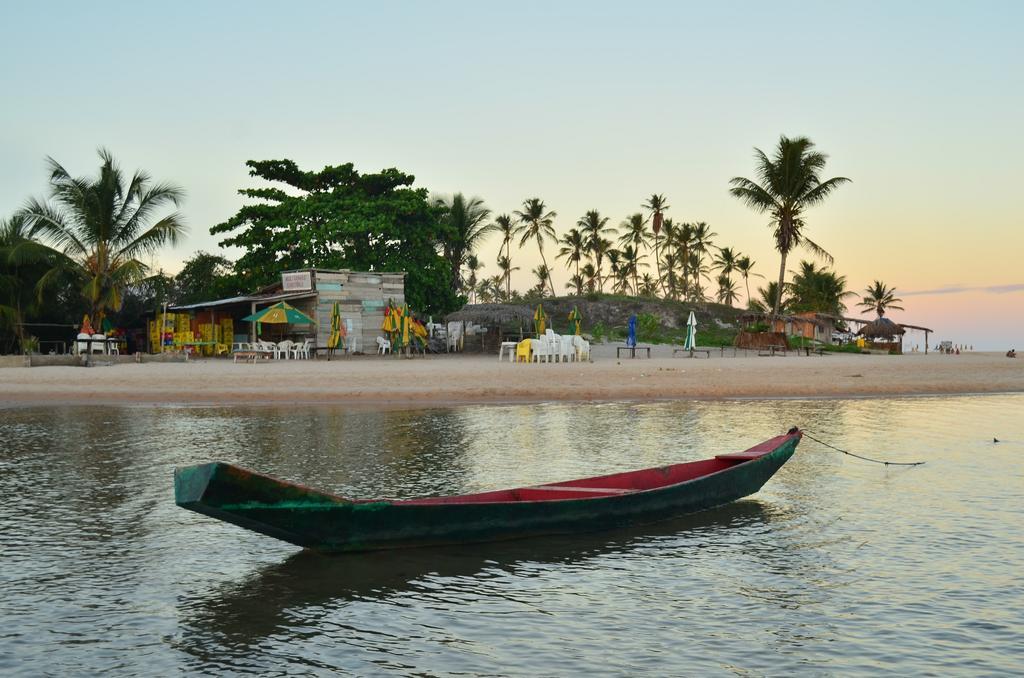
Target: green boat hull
(325, 522)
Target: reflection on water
(836, 567)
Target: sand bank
(451, 379)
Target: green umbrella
(539, 320)
(280, 313)
(691, 333)
(575, 318)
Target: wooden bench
(771, 350)
(692, 351)
(632, 350)
(251, 356)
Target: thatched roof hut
(501, 315)
(882, 328)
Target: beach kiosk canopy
(882, 328)
(280, 313)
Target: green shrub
(598, 332)
(647, 327)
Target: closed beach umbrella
(539, 320)
(691, 333)
(86, 325)
(631, 335)
(389, 320)
(575, 318)
(334, 341)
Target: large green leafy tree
(787, 185)
(339, 218)
(204, 277)
(99, 229)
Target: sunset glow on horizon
(584, 105)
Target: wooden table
(510, 346)
(632, 350)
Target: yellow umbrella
(539, 320)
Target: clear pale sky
(583, 104)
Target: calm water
(837, 567)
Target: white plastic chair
(283, 349)
(383, 346)
(541, 349)
(82, 343)
(99, 343)
(301, 351)
(566, 350)
(582, 348)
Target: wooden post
(926, 342)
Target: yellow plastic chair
(523, 351)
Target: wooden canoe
(326, 522)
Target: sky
(587, 105)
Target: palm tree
(589, 274)
(745, 266)
(575, 284)
(656, 205)
(594, 228)
(473, 265)
(630, 263)
(504, 225)
(536, 223)
(102, 228)
(573, 245)
(700, 244)
(767, 297)
(648, 286)
(23, 262)
(790, 183)
(543, 275)
(817, 289)
(634, 235)
(726, 289)
(467, 220)
(880, 298)
(506, 268)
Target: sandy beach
(454, 379)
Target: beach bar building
(361, 297)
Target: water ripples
(836, 567)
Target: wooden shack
(362, 297)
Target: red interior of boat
(614, 484)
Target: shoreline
(456, 380)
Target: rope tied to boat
(876, 461)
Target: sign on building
(297, 281)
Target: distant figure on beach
(1012, 353)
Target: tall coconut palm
(594, 228)
(788, 184)
(656, 205)
(880, 298)
(102, 228)
(467, 219)
(572, 250)
(745, 265)
(505, 226)
(536, 222)
(630, 263)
